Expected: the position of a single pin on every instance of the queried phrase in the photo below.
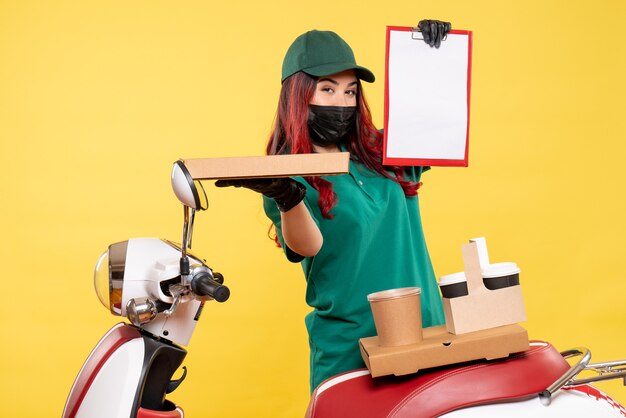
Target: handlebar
(203, 284)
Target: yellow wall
(98, 98)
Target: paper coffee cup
(397, 316)
(500, 275)
(453, 285)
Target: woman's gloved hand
(434, 31)
(284, 190)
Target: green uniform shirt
(374, 242)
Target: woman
(354, 234)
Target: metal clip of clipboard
(416, 29)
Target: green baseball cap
(322, 53)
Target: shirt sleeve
(272, 212)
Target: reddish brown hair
(291, 136)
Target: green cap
(322, 53)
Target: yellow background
(98, 98)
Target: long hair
(291, 136)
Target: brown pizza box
(319, 164)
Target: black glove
(434, 31)
(284, 190)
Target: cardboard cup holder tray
(480, 325)
(440, 348)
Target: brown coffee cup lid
(394, 293)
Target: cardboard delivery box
(269, 166)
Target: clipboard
(427, 106)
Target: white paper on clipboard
(427, 93)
